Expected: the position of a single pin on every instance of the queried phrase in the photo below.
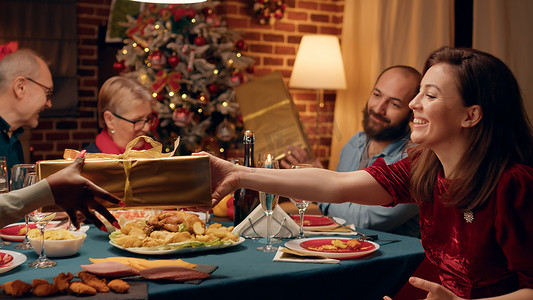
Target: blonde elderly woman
(125, 112)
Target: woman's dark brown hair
(502, 138)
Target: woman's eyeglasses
(48, 91)
(139, 124)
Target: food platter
(177, 248)
(315, 222)
(306, 245)
(18, 259)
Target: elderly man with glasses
(26, 89)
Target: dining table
(243, 272)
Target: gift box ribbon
(127, 158)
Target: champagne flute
(42, 219)
(301, 204)
(4, 187)
(268, 203)
(18, 175)
(29, 179)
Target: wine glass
(42, 219)
(268, 203)
(17, 181)
(4, 183)
(29, 179)
(301, 204)
(4, 187)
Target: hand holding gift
(73, 193)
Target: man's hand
(73, 193)
(296, 155)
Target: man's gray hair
(19, 63)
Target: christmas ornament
(225, 131)
(157, 60)
(237, 78)
(182, 117)
(212, 20)
(119, 66)
(199, 40)
(241, 45)
(174, 60)
(213, 88)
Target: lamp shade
(318, 64)
(170, 1)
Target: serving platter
(309, 244)
(178, 248)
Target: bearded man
(386, 119)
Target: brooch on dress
(469, 216)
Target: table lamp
(318, 66)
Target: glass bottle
(245, 200)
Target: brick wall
(273, 46)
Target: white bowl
(59, 248)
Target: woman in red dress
(471, 174)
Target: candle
(268, 162)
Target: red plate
(312, 245)
(314, 220)
(12, 232)
(5, 258)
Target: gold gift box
(267, 109)
(144, 178)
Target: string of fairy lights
(191, 62)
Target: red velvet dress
(491, 256)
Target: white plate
(148, 251)
(296, 245)
(338, 221)
(18, 259)
(19, 238)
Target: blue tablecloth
(245, 272)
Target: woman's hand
(224, 178)
(435, 290)
(74, 193)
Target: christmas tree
(191, 62)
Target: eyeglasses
(48, 91)
(139, 124)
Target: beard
(385, 132)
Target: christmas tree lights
(191, 62)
